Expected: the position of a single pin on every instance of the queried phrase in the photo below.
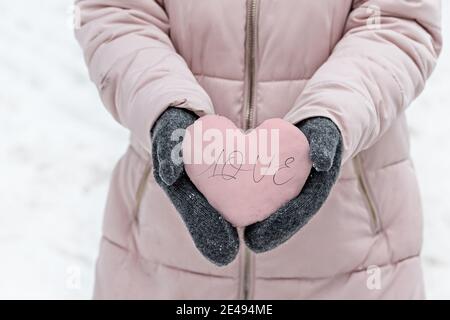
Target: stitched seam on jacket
(341, 274)
(395, 163)
(175, 268)
(285, 80)
(115, 244)
(384, 167)
(326, 83)
(156, 263)
(388, 166)
(241, 80)
(202, 274)
(171, 267)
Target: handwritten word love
(234, 165)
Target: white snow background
(58, 146)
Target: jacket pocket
(364, 186)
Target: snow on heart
(246, 176)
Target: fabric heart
(246, 176)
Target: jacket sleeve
(134, 64)
(377, 69)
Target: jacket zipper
(246, 273)
(362, 180)
(250, 61)
(250, 67)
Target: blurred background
(58, 147)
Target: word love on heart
(246, 176)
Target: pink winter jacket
(360, 63)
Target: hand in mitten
(216, 238)
(325, 152)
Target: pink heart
(246, 181)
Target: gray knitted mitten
(214, 237)
(325, 152)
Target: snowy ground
(58, 147)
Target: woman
(342, 71)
